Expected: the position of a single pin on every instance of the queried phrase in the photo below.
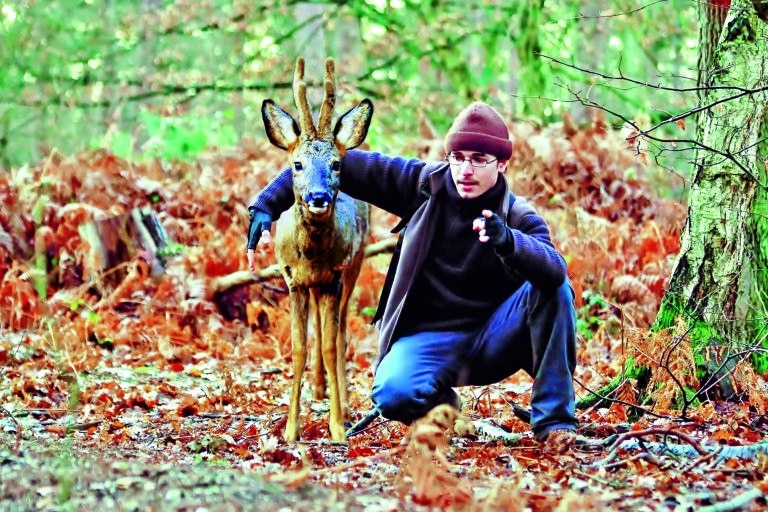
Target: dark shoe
(450, 397)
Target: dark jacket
(393, 185)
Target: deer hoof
(338, 433)
(291, 435)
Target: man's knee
(399, 400)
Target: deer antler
(326, 110)
(300, 97)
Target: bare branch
(605, 398)
(647, 132)
(618, 14)
(643, 83)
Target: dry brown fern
(426, 467)
(746, 381)
(668, 355)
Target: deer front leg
(318, 371)
(299, 308)
(329, 307)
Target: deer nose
(318, 199)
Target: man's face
(474, 173)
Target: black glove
(260, 221)
(498, 233)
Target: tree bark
(720, 282)
(711, 20)
(533, 79)
(121, 238)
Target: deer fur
(319, 242)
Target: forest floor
(168, 391)
(161, 454)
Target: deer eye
(335, 166)
(298, 166)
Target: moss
(595, 398)
(760, 361)
(631, 371)
(700, 333)
(690, 400)
(759, 220)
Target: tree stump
(121, 239)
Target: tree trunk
(720, 282)
(711, 20)
(310, 44)
(533, 79)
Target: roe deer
(319, 242)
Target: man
(477, 290)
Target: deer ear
(282, 130)
(352, 126)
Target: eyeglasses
(475, 161)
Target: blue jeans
(532, 330)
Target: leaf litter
(170, 393)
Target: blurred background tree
(170, 78)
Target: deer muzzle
(318, 202)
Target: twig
(663, 432)
(616, 15)
(712, 456)
(726, 155)
(221, 415)
(734, 503)
(41, 411)
(638, 456)
(600, 480)
(18, 429)
(364, 460)
(606, 398)
(607, 461)
(83, 426)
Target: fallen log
(244, 277)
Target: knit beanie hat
(479, 128)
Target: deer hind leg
(329, 308)
(349, 279)
(318, 369)
(341, 356)
(299, 300)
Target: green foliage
(589, 318)
(74, 395)
(147, 370)
(173, 138)
(169, 79)
(40, 275)
(210, 443)
(368, 311)
(170, 250)
(65, 479)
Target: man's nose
(466, 167)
